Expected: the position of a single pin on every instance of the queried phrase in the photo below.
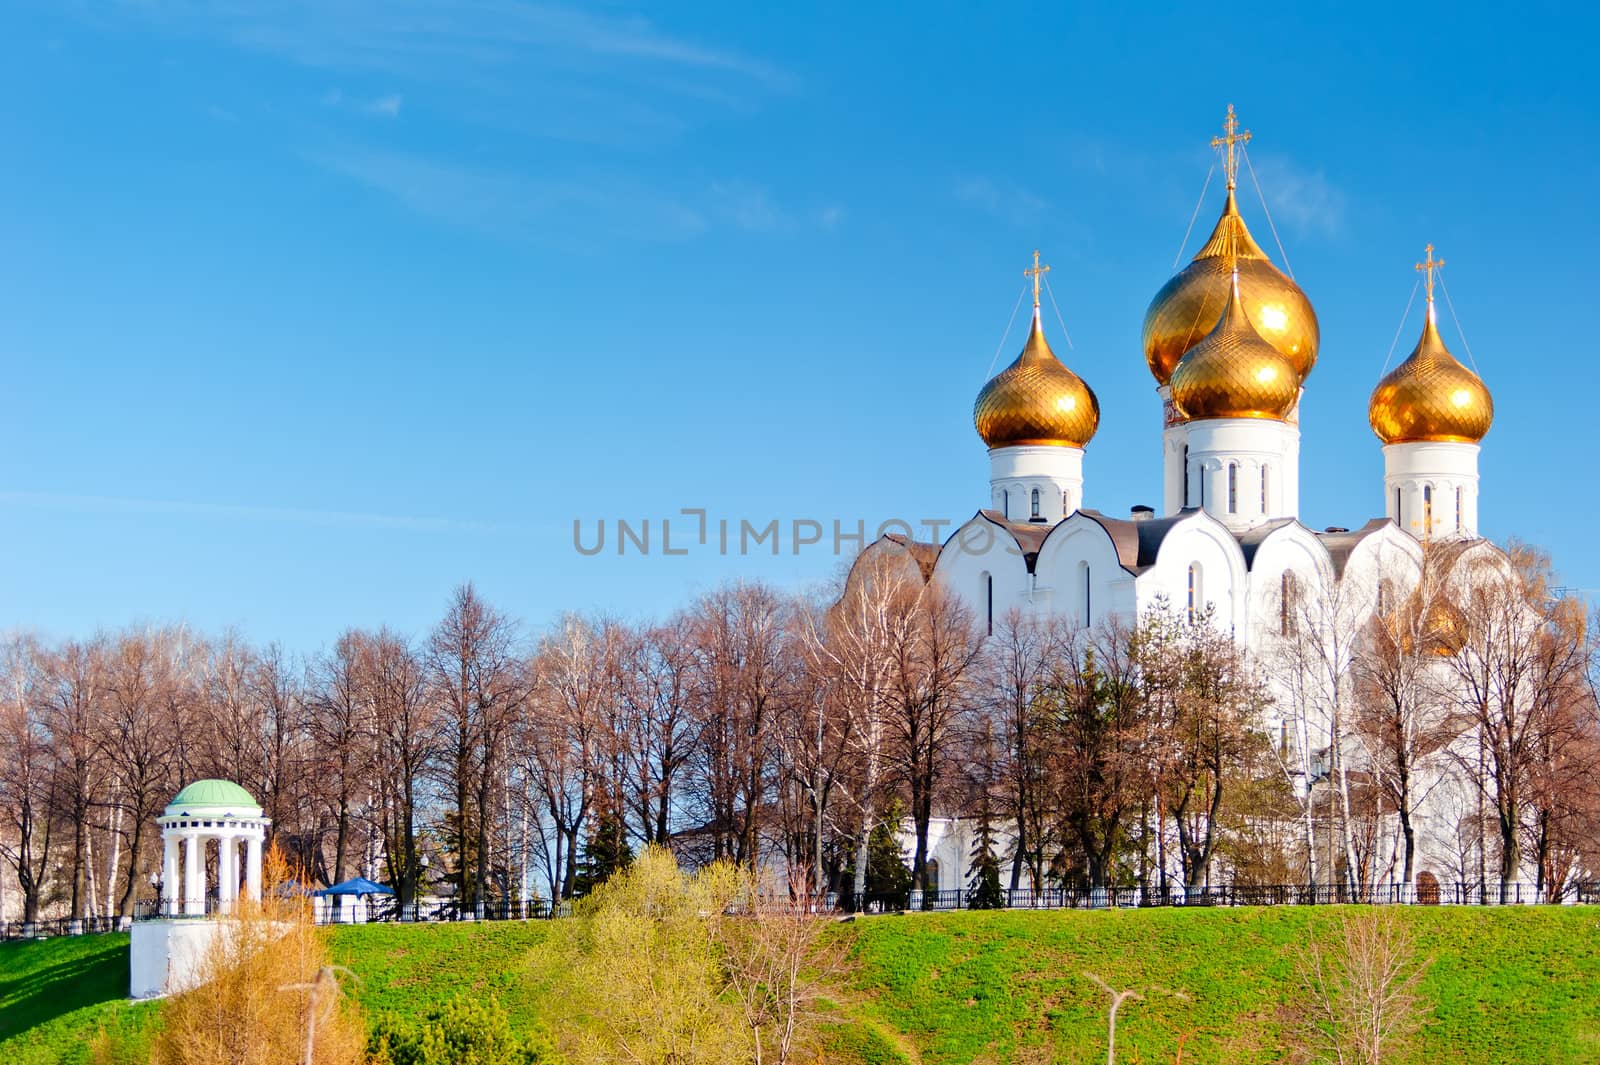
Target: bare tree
(480, 684)
(1364, 997)
(279, 692)
(934, 651)
(1401, 719)
(659, 666)
(405, 745)
(151, 684)
(1202, 698)
(1022, 652)
(340, 723)
(1098, 741)
(27, 782)
(852, 643)
(559, 738)
(745, 677)
(72, 702)
(1518, 661)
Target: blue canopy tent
(349, 897)
(358, 886)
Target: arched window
(1288, 603)
(988, 603)
(1066, 502)
(1265, 510)
(1035, 513)
(1186, 475)
(1088, 594)
(1233, 488)
(1458, 507)
(1427, 510)
(1397, 504)
(1005, 503)
(1383, 596)
(1195, 591)
(1200, 479)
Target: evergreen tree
(983, 886)
(887, 873)
(605, 853)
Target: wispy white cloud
(748, 207)
(420, 36)
(1002, 198)
(381, 106)
(509, 204)
(297, 515)
(1304, 200)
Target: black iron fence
(61, 926)
(1062, 898)
(380, 909)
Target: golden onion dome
(1430, 396)
(1188, 306)
(1036, 400)
(1234, 372)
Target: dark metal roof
(1340, 545)
(1250, 540)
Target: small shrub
(462, 1032)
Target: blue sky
(311, 311)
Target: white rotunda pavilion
(168, 950)
(210, 811)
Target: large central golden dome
(1431, 396)
(1234, 372)
(1036, 400)
(1189, 305)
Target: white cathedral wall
(1202, 542)
(981, 556)
(1079, 577)
(1424, 482)
(1056, 473)
(1228, 459)
(1291, 550)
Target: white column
(169, 873)
(227, 869)
(194, 885)
(252, 866)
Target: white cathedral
(1231, 342)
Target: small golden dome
(1234, 373)
(1036, 400)
(1430, 396)
(1189, 305)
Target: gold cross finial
(1036, 273)
(1230, 137)
(1428, 267)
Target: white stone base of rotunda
(168, 956)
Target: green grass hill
(1511, 986)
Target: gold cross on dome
(1428, 267)
(1230, 137)
(1036, 273)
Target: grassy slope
(55, 994)
(1513, 986)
